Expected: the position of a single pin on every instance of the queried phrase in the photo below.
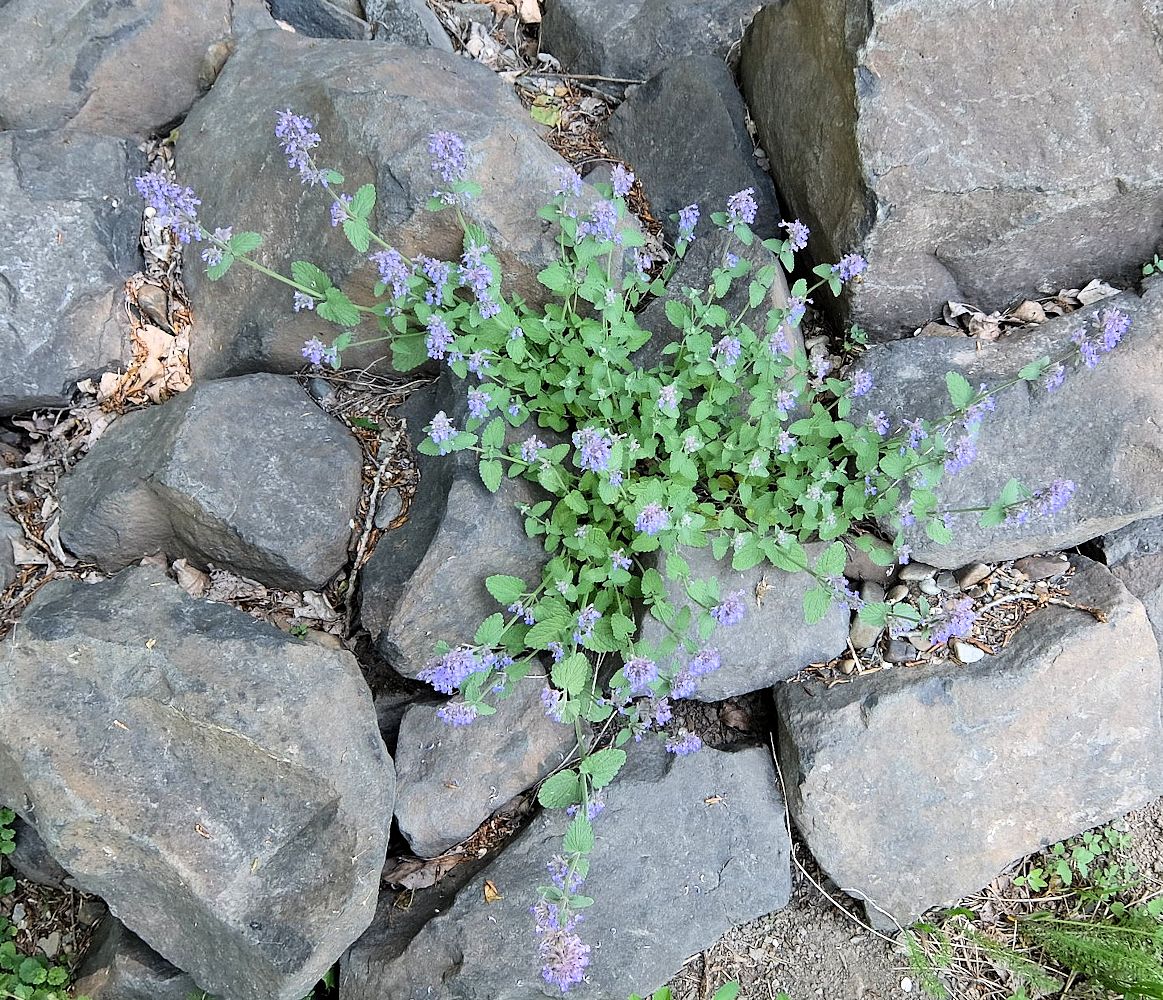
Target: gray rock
(120, 966)
(31, 860)
(1100, 429)
(631, 38)
(220, 784)
(914, 572)
(126, 68)
(971, 575)
(9, 530)
(68, 240)
(375, 111)
(861, 634)
(1043, 567)
(425, 581)
(321, 19)
(684, 134)
(245, 473)
(861, 566)
(772, 642)
(929, 171)
(962, 766)
(1135, 553)
(658, 898)
(450, 780)
(406, 22)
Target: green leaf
(364, 201)
(728, 991)
(492, 472)
(579, 838)
(572, 674)
(937, 530)
(243, 243)
(491, 630)
(622, 626)
(676, 313)
(338, 308)
(603, 765)
(960, 391)
(32, 972)
(493, 435)
(506, 590)
(215, 271)
(358, 234)
(816, 604)
(548, 630)
(307, 274)
(1034, 370)
(560, 791)
(832, 561)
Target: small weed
(1155, 267)
(728, 991)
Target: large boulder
(425, 581)
(68, 240)
(629, 39)
(374, 106)
(1135, 554)
(1100, 429)
(126, 68)
(902, 131)
(913, 788)
(721, 857)
(450, 780)
(772, 642)
(245, 473)
(220, 784)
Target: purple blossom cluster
(741, 207)
(861, 383)
(957, 620)
(339, 209)
(319, 353)
(437, 272)
(302, 301)
(564, 956)
(619, 560)
(652, 519)
(962, 454)
(797, 235)
(1046, 502)
(439, 338)
(297, 136)
(457, 713)
(592, 449)
(842, 592)
(683, 743)
(586, 620)
(393, 269)
(622, 180)
(175, 206)
(531, 448)
(602, 223)
(668, 397)
(730, 610)
(449, 156)
(479, 401)
(728, 350)
(212, 255)
(640, 673)
(688, 218)
(850, 266)
(441, 432)
(452, 669)
(569, 183)
(477, 275)
(1113, 326)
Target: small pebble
(152, 300)
(390, 505)
(918, 641)
(929, 586)
(1042, 567)
(914, 571)
(946, 581)
(966, 652)
(899, 652)
(907, 985)
(971, 575)
(320, 388)
(897, 594)
(847, 665)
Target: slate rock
(669, 875)
(903, 131)
(31, 860)
(9, 531)
(1135, 554)
(374, 107)
(125, 68)
(321, 19)
(961, 768)
(406, 22)
(631, 38)
(68, 240)
(1099, 430)
(450, 780)
(120, 966)
(220, 784)
(245, 473)
(772, 642)
(425, 581)
(684, 134)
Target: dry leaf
(490, 892)
(984, 327)
(1095, 291)
(52, 538)
(1029, 312)
(191, 579)
(24, 555)
(529, 11)
(736, 717)
(417, 873)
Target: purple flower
(531, 448)
(1045, 502)
(668, 397)
(741, 207)
(601, 223)
(683, 685)
(516, 333)
(797, 234)
(1086, 349)
(704, 662)
(796, 308)
(449, 156)
(879, 423)
(778, 343)
(861, 383)
(586, 621)
(731, 260)
(842, 593)
(297, 136)
(175, 206)
(1054, 378)
(437, 272)
(592, 449)
(850, 266)
(652, 519)
(478, 364)
(339, 209)
(526, 614)
(569, 182)
(619, 560)
(976, 412)
(451, 670)
(439, 338)
(478, 403)
(690, 444)
(1115, 323)
(660, 712)
(315, 350)
(557, 650)
(552, 702)
(457, 713)
(784, 400)
(821, 366)
(905, 512)
(594, 808)
(212, 255)
(564, 956)
(301, 301)
(870, 489)
(622, 180)
(730, 610)
(394, 270)
(441, 432)
(917, 432)
(688, 218)
(958, 621)
(964, 452)
(728, 349)
(643, 262)
(786, 442)
(640, 674)
(684, 743)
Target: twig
(576, 76)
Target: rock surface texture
(125, 68)
(245, 473)
(120, 966)
(1100, 429)
(960, 768)
(882, 148)
(706, 867)
(772, 642)
(68, 241)
(1135, 554)
(251, 855)
(9, 530)
(425, 582)
(374, 107)
(450, 780)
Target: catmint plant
(733, 441)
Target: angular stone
(657, 899)
(425, 581)
(772, 642)
(861, 634)
(139, 734)
(9, 531)
(684, 134)
(450, 780)
(125, 68)
(1135, 553)
(245, 473)
(631, 38)
(120, 966)
(321, 19)
(929, 171)
(68, 240)
(1043, 567)
(406, 22)
(859, 565)
(31, 860)
(1100, 429)
(374, 106)
(961, 766)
